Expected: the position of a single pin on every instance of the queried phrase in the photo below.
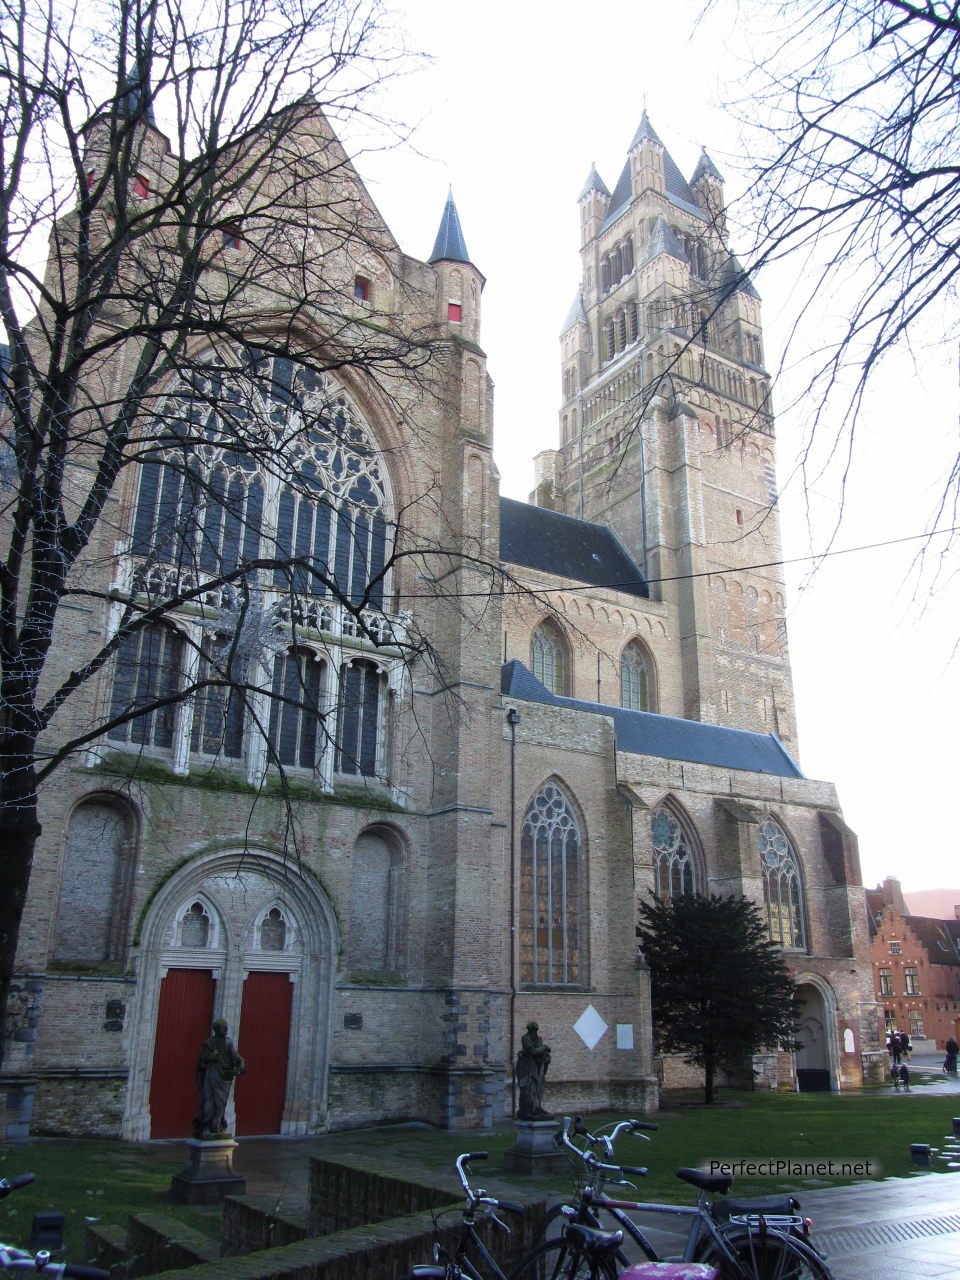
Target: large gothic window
(148, 670)
(636, 678)
(256, 458)
(782, 887)
(674, 865)
(551, 872)
(296, 712)
(549, 657)
(358, 731)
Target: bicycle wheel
(765, 1255)
(561, 1260)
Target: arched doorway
(813, 1059)
(240, 935)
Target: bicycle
(39, 1263)
(478, 1206)
(755, 1239)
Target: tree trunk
(708, 1077)
(19, 830)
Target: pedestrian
(950, 1061)
(906, 1048)
(893, 1048)
(901, 1078)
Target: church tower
(667, 432)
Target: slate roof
(593, 183)
(736, 280)
(449, 245)
(676, 187)
(663, 239)
(705, 166)
(939, 938)
(669, 737)
(576, 315)
(538, 538)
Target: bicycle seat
(706, 1181)
(591, 1238)
(775, 1206)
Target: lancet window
(782, 887)
(551, 874)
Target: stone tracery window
(551, 872)
(259, 460)
(273, 931)
(674, 866)
(782, 886)
(549, 657)
(636, 678)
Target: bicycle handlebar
(604, 1140)
(15, 1183)
(480, 1197)
(39, 1263)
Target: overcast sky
(518, 101)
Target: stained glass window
(548, 657)
(550, 892)
(674, 868)
(782, 888)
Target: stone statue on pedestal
(531, 1074)
(218, 1066)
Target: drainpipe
(513, 719)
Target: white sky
(518, 101)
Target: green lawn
(108, 1181)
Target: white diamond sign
(590, 1027)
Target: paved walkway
(896, 1229)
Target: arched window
(551, 872)
(273, 931)
(674, 867)
(93, 910)
(258, 458)
(375, 890)
(297, 733)
(636, 678)
(782, 887)
(549, 657)
(358, 730)
(194, 927)
(218, 709)
(148, 670)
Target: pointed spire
(576, 315)
(449, 245)
(645, 130)
(137, 93)
(593, 183)
(705, 169)
(663, 239)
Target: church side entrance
(183, 1022)
(263, 1044)
(243, 936)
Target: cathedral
(388, 859)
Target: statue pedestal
(208, 1175)
(535, 1150)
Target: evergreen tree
(719, 987)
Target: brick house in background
(916, 966)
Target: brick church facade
(464, 851)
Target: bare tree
(182, 356)
(857, 179)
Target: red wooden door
(264, 1043)
(183, 1023)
